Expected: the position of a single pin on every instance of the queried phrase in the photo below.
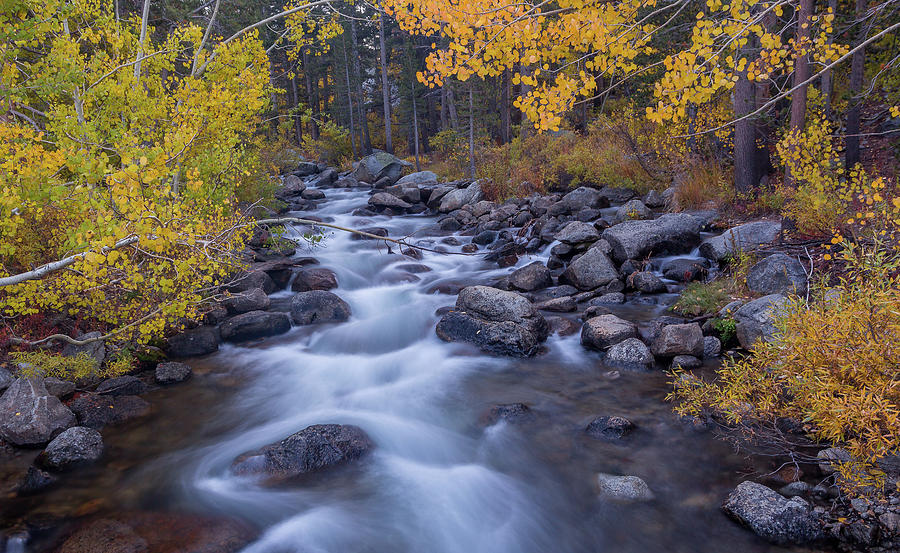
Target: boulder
(533, 276)
(315, 448)
(251, 300)
(604, 331)
(126, 385)
(191, 343)
(30, 416)
(312, 194)
(421, 178)
(777, 519)
(409, 194)
(685, 269)
(459, 197)
(591, 270)
(558, 305)
(646, 282)
(96, 350)
(584, 197)
(685, 362)
(437, 194)
(631, 354)
(306, 168)
(6, 379)
(678, 339)
(378, 165)
(633, 209)
(778, 274)
(577, 232)
(96, 411)
(654, 199)
(318, 306)
(746, 237)
(756, 319)
(36, 480)
(672, 233)
(59, 387)
(172, 372)
(317, 278)
(624, 488)
(382, 200)
(495, 320)
(712, 347)
(254, 324)
(617, 195)
(76, 446)
(253, 279)
(831, 458)
(609, 427)
(292, 187)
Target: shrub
(831, 369)
(44, 364)
(705, 183)
(332, 147)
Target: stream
(442, 478)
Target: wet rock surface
(778, 519)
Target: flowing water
(442, 479)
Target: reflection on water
(439, 481)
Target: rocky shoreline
(606, 247)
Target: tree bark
(504, 108)
(385, 87)
(365, 141)
(801, 75)
(312, 97)
(349, 100)
(298, 125)
(857, 73)
(828, 76)
(415, 125)
(471, 134)
(451, 106)
(746, 170)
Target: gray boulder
(771, 516)
(306, 168)
(584, 197)
(126, 385)
(591, 270)
(30, 416)
(756, 319)
(624, 488)
(315, 448)
(97, 411)
(459, 197)
(712, 347)
(6, 379)
(646, 282)
(437, 194)
(685, 269)
(577, 232)
(679, 339)
(254, 324)
(778, 274)
(59, 387)
(76, 446)
(629, 354)
(383, 199)
(316, 278)
(604, 331)
(96, 350)
(671, 233)
(172, 372)
(533, 276)
(633, 209)
(191, 343)
(495, 320)
(422, 178)
(251, 300)
(318, 306)
(379, 165)
(748, 236)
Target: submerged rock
(96, 411)
(513, 413)
(315, 448)
(609, 427)
(172, 373)
(191, 343)
(30, 416)
(771, 516)
(625, 488)
(495, 320)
